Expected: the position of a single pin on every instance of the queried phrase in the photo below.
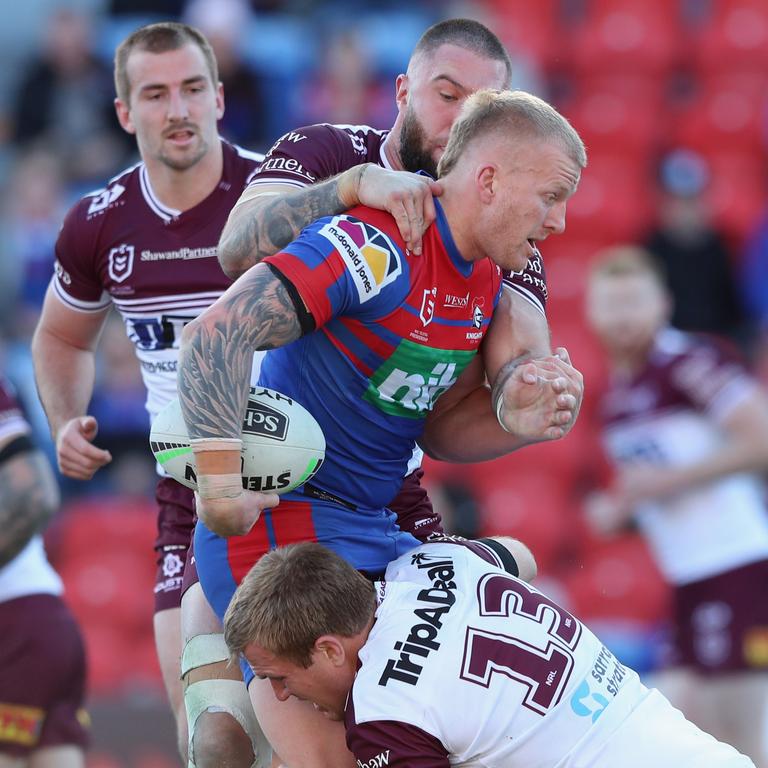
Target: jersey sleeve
(341, 265)
(531, 283)
(711, 378)
(76, 280)
(396, 745)
(305, 156)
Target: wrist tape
(219, 486)
(212, 487)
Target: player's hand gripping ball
(283, 445)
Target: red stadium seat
(734, 38)
(626, 36)
(737, 192)
(106, 524)
(728, 113)
(533, 28)
(618, 579)
(616, 115)
(613, 202)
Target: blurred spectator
(693, 253)
(754, 290)
(687, 431)
(64, 101)
(32, 215)
(223, 23)
(345, 90)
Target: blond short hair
(519, 115)
(627, 260)
(294, 595)
(159, 38)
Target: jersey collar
(464, 266)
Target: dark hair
(159, 38)
(464, 33)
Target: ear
(332, 648)
(487, 180)
(124, 116)
(401, 92)
(219, 101)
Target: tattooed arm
(256, 313)
(29, 497)
(268, 217)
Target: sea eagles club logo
(121, 262)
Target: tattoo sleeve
(261, 227)
(256, 313)
(28, 500)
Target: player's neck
(629, 362)
(187, 188)
(456, 214)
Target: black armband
(506, 557)
(306, 321)
(21, 444)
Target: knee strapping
(230, 696)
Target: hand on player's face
(407, 196)
(235, 516)
(542, 397)
(77, 457)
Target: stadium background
(670, 97)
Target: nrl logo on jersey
(102, 201)
(120, 262)
(371, 258)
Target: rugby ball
(283, 445)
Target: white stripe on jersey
(247, 153)
(163, 211)
(79, 304)
(526, 294)
(263, 180)
(207, 295)
(12, 426)
(357, 128)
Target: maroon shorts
(42, 676)
(721, 623)
(414, 509)
(175, 526)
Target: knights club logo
(477, 312)
(121, 262)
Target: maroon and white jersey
(466, 665)
(670, 414)
(158, 266)
(317, 152)
(29, 573)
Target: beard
(183, 162)
(413, 153)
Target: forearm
(731, 460)
(217, 348)
(28, 500)
(65, 376)
(468, 432)
(260, 226)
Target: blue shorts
(367, 538)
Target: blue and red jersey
(394, 331)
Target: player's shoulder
(94, 207)
(674, 348)
(243, 161)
